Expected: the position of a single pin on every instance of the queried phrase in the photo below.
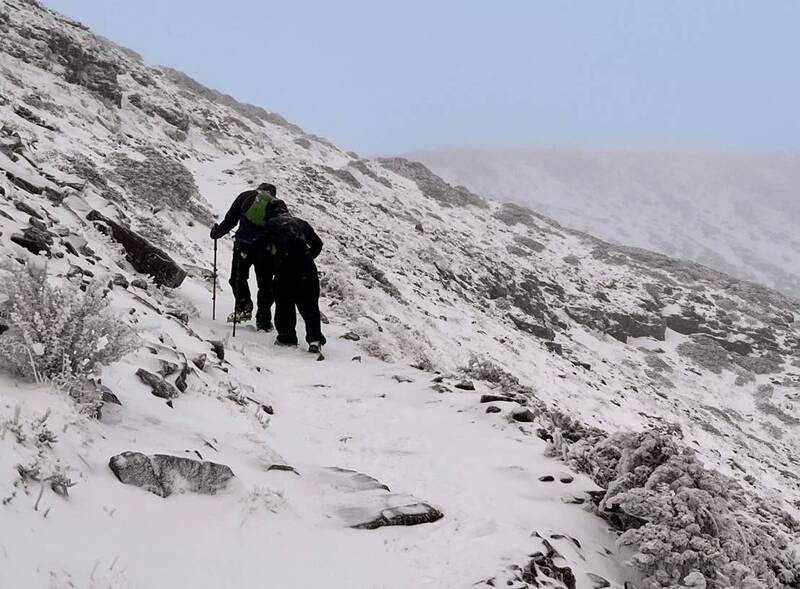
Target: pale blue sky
(384, 77)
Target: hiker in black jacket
(248, 211)
(294, 245)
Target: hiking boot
(265, 327)
(240, 317)
(314, 347)
(285, 344)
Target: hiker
(294, 245)
(249, 211)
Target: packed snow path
(278, 528)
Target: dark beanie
(277, 207)
(267, 187)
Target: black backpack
(289, 239)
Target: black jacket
(293, 241)
(248, 232)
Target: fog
(735, 213)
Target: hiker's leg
(240, 273)
(308, 305)
(285, 316)
(264, 277)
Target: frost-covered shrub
(58, 334)
(688, 526)
(481, 368)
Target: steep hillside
(510, 380)
(736, 214)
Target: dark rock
(352, 336)
(167, 368)
(159, 387)
(181, 316)
(465, 385)
(548, 478)
(200, 361)
(407, 515)
(139, 283)
(493, 409)
(164, 475)
(523, 415)
(34, 240)
(496, 399)
(218, 348)
(540, 331)
(107, 396)
(554, 348)
(303, 142)
(144, 256)
(120, 280)
(180, 382)
(28, 210)
(283, 468)
(543, 434)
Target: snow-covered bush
(58, 334)
(688, 526)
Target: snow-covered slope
(483, 362)
(735, 213)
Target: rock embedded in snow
(406, 515)
(144, 256)
(465, 385)
(159, 387)
(496, 398)
(164, 475)
(523, 414)
(493, 409)
(352, 336)
(218, 348)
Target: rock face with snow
(164, 475)
(571, 339)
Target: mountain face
(510, 401)
(736, 214)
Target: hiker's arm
(232, 217)
(313, 240)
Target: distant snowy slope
(738, 214)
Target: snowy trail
(479, 469)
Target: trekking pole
(214, 292)
(236, 292)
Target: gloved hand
(216, 232)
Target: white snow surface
(417, 280)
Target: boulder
(164, 475)
(143, 255)
(523, 415)
(218, 348)
(465, 385)
(540, 331)
(159, 387)
(34, 240)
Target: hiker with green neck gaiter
(249, 211)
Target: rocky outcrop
(144, 256)
(85, 68)
(432, 185)
(164, 475)
(619, 325)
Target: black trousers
(245, 257)
(297, 288)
